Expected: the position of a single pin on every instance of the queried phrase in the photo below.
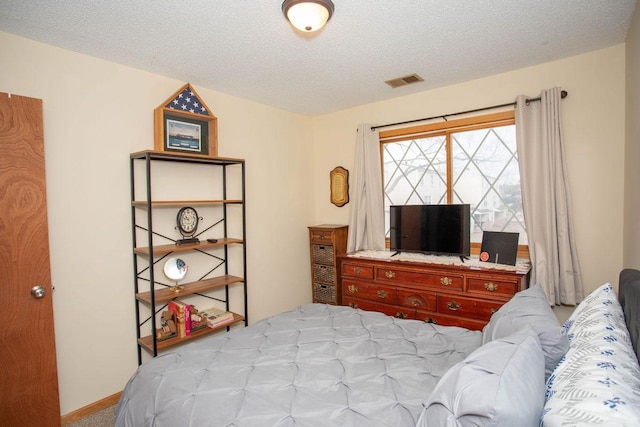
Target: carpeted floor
(104, 418)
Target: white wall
(95, 114)
(593, 120)
(632, 152)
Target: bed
(323, 365)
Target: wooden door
(29, 391)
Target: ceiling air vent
(403, 81)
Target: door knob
(38, 292)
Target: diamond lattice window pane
(414, 172)
(486, 175)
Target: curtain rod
(563, 94)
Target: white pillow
(530, 308)
(598, 381)
(499, 384)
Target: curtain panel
(546, 198)
(366, 223)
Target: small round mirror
(175, 269)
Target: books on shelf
(189, 319)
(181, 312)
(216, 317)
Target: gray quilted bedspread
(315, 366)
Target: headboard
(629, 296)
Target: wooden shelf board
(147, 342)
(185, 157)
(179, 203)
(166, 249)
(165, 295)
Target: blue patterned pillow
(597, 382)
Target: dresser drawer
(324, 273)
(325, 293)
(321, 236)
(416, 300)
(369, 291)
(322, 254)
(429, 279)
(389, 310)
(467, 307)
(445, 320)
(491, 287)
(357, 270)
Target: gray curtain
(546, 198)
(366, 224)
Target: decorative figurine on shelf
(187, 224)
(197, 321)
(167, 327)
(175, 269)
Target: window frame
(446, 128)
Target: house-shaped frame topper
(183, 124)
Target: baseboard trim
(91, 409)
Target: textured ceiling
(247, 48)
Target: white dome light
(308, 15)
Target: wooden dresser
(443, 294)
(326, 241)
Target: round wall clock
(187, 224)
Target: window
(471, 160)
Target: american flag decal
(188, 102)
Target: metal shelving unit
(151, 246)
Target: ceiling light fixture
(308, 15)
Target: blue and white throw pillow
(597, 382)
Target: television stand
(455, 295)
(463, 257)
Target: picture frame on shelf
(183, 124)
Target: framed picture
(183, 124)
(183, 134)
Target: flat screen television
(431, 229)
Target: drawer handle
(431, 320)
(353, 305)
(390, 274)
(446, 281)
(357, 270)
(453, 306)
(401, 315)
(382, 294)
(353, 289)
(490, 286)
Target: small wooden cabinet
(443, 294)
(327, 241)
